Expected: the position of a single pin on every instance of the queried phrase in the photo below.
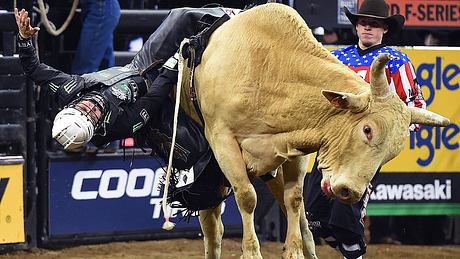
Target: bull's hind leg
(286, 187)
(228, 155)
(213, 230)
(293, 175)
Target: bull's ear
(424, 117)
(353, 102)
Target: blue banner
(105, 195)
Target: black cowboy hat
(377, 9)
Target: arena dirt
(188, 248)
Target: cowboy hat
(377, 9)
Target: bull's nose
(346, 194)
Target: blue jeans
(99, 20)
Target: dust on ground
(193, 248)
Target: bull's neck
(327, 73)
(304, 140)
(314, 116)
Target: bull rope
(168, 225)
(50, 27)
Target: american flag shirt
(400, 72)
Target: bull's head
(371, 132)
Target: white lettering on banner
(120, 176)
(435, 191)
(116, 183)
(78, 179)
(134, 175)
(125, 183)
(156, 182)
(156, 202)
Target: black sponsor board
(415, 194)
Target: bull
(261, 90)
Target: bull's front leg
(228, 154)
(307, 236)
(213, 230)
(293, 185)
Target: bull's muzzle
(346, 194)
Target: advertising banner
(428, 13)
(434, 149)
(351, 5)
(11, 200)
(105, 195)
(424, 178)
(416, 194)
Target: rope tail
(168, 225)
(50, 27)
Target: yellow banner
(11, 204)
(432, 149)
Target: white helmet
(72, 129)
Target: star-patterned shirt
(400, 72)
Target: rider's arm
(63, 86)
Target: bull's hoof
(251, 257)
(292, 255)
(310, 256)
(251, 249)
(292, 250)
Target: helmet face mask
(90, 110)
(75, 125)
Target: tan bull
(261, 89)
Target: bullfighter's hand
(23, 22)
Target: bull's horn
(379, 81)
(425, 117)
(340, 100)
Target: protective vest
(126, 83)
(119, 86)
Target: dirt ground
(193, 248)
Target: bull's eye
(368, 132)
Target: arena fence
(18, 171)
(17, 104)
(50, 198)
